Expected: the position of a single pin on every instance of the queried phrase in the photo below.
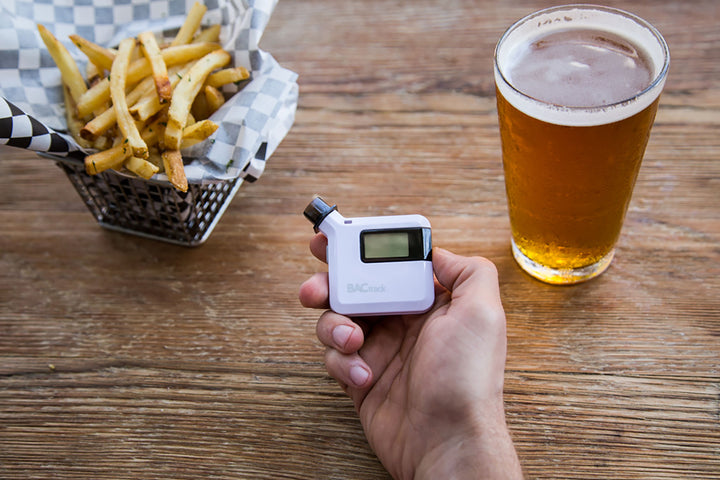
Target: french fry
(210, 34)
(118, 81)
(157, 64)
(69, 70)
(100, 56)
(189, 27)
(106, 159)
(214, 98)
(200, 107)
(227, 75)
(102, 143)
(73, 123)
(186, 91)
(174, 169)
(154, 131)
(197, 132)
(187, 53)
(141, 167)
(146, 108)
(94, 98)
(93, 73)
(156, 159)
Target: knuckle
(485, 266)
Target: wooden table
(122, 357)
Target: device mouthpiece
(317, 210)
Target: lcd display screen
(395, 245)
(390, 244)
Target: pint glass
(577, 90)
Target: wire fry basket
(252, 122)
(150, 208)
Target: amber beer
(577, 91)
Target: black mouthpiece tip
(317, 210)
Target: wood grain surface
(122, 357)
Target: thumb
(473, 277)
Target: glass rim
(662, 73)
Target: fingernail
(341, 335)
(358, 375)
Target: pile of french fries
(143, 102)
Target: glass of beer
(577, 90)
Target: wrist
(483, 451)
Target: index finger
(314, 292)
(318, 247)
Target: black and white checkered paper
(253, 121)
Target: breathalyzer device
(376, 265)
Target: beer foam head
(515, 43)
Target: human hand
(428, 388)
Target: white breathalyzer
(376, 265)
